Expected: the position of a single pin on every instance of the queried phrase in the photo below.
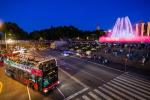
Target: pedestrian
(143, 60)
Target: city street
(80, 80)
(74, 50)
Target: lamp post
(9, 41)
(5, 41)
(1, 25)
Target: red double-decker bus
(39, 74)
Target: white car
(65, 53)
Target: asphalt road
(81, 80)
(89, 73)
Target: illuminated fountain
(123, 32)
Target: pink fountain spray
(123, 32)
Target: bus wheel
(13, 77)
(31, 86)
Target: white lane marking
(102, 94)
(94, 96)
(111, 93)
(100, 65)
(1, 87)
(132, 94)
(85, 97)
(28, 93)
(61, 93)
(68, 68)
(98, 78)
(74, 78)
(119, 88)
(138, 81)
(124, 81)
(76, 94)
(118, 92)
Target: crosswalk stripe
(135, 95)
(137, 79)
(117, 87)
(94, 96)
(118, 92)
(141, 77)
(137, 82)
(132, 85)
(111, 93)
(133, 89)
(102, 94)
(85, 97)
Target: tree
(13, 31)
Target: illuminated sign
(21, 66)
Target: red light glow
(124, 40)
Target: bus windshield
(50, 72)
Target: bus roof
(32, 59)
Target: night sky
(83, 14)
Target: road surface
(81, 80)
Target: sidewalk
(121, 67)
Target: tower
(137, 29)
(142, 29)
(148, 29)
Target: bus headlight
(45, 91)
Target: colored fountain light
(123, 32)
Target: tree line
(13, 31)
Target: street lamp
(9, 41)
(5, 41)
(1, 25)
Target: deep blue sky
(84, 14)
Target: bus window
(47, 66)
(26, 75)
(32, 77)
(46, 82)
(39, 82)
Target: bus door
(19, 75)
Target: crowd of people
(106, 52)
(138, 52)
